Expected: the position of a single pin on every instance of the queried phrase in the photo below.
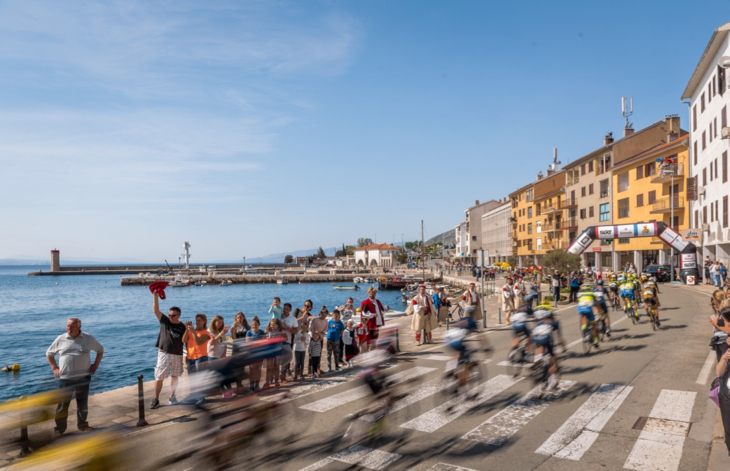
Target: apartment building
(709, 93)
(523, 225)
(589, 189)
(550, 225)
(460, 250)
(497, 232)
(473, 219)
(651, 186)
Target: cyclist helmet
(644, 277)
(599, 282)
(542, 313)
(621, 278)
(613, 277)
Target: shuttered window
(724, 167)
(724, 211)
(639, 200)
(652, 197)
(639, 172)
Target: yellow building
(523, 225)
(647, 190)
(551, 225)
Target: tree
(402, 257)
(288, 259)
(350, 250)
(320, 253)
(562, 261)
(363, 241)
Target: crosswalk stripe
(661, 441)
(447, 467)
(578, 433)
(345, 397)
(500, 427)
(438, 357)
(368, 458)
(455, 408)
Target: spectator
(315, 352)
(275, 309)
(304, 314)
(508, 299)
(300, 351)
(723, 372)
(196, 341)
(557, 283)
(349, 339)
(290, 326)
(334, 336)
(346, 314)
(240, 326)
(574, 287)
(170, 350)
(707, 264)
(74, 371)
(273, 330)
(217, 346)
(723, 274)
(472, 303)
(372, 310)
(255, 334)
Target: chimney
(628, 131)
(673, 128)
(550, 171)
(608, 139)
(476, 203)
(539, 175)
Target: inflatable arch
(688, 269)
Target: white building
(474, 226)
(376, 255)
(460, 250)
(497, 233)
(709, 93)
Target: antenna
(627, 109)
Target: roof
(718, 36)
(581, 160)
(379, 247)
(653, 150)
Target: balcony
(666, 174)
(604, 194)
(551, 209)
(568, 203)
(570, 223)
(550, 227)
(666, 205)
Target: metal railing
(666, 204)
(568, 202)
(568, 223)
(668, 171)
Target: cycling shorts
(628, 294)
(604, 307)
(588, 313)
(614, 289)
(651, 301)
(521, 329)
(545, 341)
(585, 310)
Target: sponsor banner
(692, 235)
(679, 244)
(583, 241)
(646, 229)
(671, 237)
(596, 249)
(688, 260)
(605, 232)
(690, 280)
(626, 231)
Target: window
(539, 243)
(717, 210)
(538, 227)
(695, 153)
(714, 121)
(590, 189)
(623, 182)
(724, 211)
(724, 167)
(702, 103)
(652, 197)
(710, 131)
(639, 172)
(529, 195)
(529, 228)
(697, 217)
(582, 213)
(623, 208)
(538, 209)
(639, 200)
(583, 191)
(623, 241)
(694, 118)
(650, 168)
(723, 117)
(604, 188)
(604, 208)
(704, 140)
(712, 212)
(590, 166)
(590, 212)
(716, 174)
(714, 88)
(704, 176)
(709, 90)
(529, 212)
(721, 80)
(711, 172)
(473, 237)
(704, 214)
(583, 169)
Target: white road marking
(448, 467)
(705, 372)
(441, 415)
(368, 458)
(499, 428)
(345, 397)
(438, 357)
(578, 433)
(660, 443)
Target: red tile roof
(379, 247)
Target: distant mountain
(447, 238)
(279, 257)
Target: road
(640, 402)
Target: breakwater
(215, 279)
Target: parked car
(661, 272)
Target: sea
(34, 310)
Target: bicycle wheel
(461, 312)
(586, 341)
(515, 361)
(653, 318)
(632, 315)
(601, 329)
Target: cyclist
(520, 330)
(651, 299)
(601, 294)
(542, 338)
(613, 287)
(586, 304)
(455, 338)
(627, 293)
(637, 287)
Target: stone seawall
(345, 278)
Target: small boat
(369, 280)
(357, 279)
(226, 282)
(201, 283)
(179, 282)
(282, 281)
(345, 287)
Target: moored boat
(345, 287)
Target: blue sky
(256, 127)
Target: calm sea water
(34, 312)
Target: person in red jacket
(372, 310)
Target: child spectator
(275, 310)
(362, 334)
(255, 334)
(334, 336)
(274, 330)
(300, 350)
(315, 352)
(349, 339)
(217, 347)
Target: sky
(256, 127)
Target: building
(550, 230)
(473, 221)
(647, 190)
(522, 220)
(496, 233)
(55, 260)
(460, 247)
(377, 255)
(709, 93)
(589, 189)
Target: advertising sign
(647, 229)
(581, 244)
(671, 237)
(690, 280)
(688, 260)
(625, 231)
(692, 235)
(596, 249)
(605, 232)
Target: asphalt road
(639, 402)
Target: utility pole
(671, 222)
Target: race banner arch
(688, 269)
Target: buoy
(15, 367)
(56, 282)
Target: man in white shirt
(74, 371)
(291, 326)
